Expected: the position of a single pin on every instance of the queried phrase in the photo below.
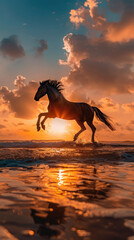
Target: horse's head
(42, 90)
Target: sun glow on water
(60, 178)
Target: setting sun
(58, 126)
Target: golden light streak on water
(60, 178)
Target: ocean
(66, 190)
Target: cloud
(108, 103)
(20, 124)
(78, 95)
(81, 47)
(20, 100)
(42, 47)
(100, 64)
(121, 30)
(94, 16)
(132, 122)
(92, 67)
(10, 47)
(130, 125)
(88, 15)
(94, 104)
(102, 60)
(24, 130)
(103, 76)
(92, 4)
(79, 16)
(128, 106)
(2, 126)
(129, 128)
(19, 82)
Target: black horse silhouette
(62, 108)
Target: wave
(61, 144)
(26, 154)
(35, 144)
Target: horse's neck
(54, 95)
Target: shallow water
(62, 190)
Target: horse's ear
(47, 82)
(40, 83)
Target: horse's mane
(53, 83)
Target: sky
(87, 44)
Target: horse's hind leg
(81, 124)
(93, 130)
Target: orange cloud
(108, 104)
(94, 17)
(92, 4)
(121, 30)
(88, 15)
(2, 126)
(20, 100)
(128, 106)
(79, 16)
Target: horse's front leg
(42, 123)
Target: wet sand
(59, 190)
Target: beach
(63, 190)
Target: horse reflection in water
(53, 215)
(56, 214)
(62, 108)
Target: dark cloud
(20, 101)
(103, 76)
(42, 47)
(81, 47)
(10, 47)
(2, 126)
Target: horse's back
(87, 111)
(79, 111)
(71, 110)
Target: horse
(60, 107)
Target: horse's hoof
(43, 127)
(95, 143)
(75, 138)
(38, 128)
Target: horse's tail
(103, 118)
